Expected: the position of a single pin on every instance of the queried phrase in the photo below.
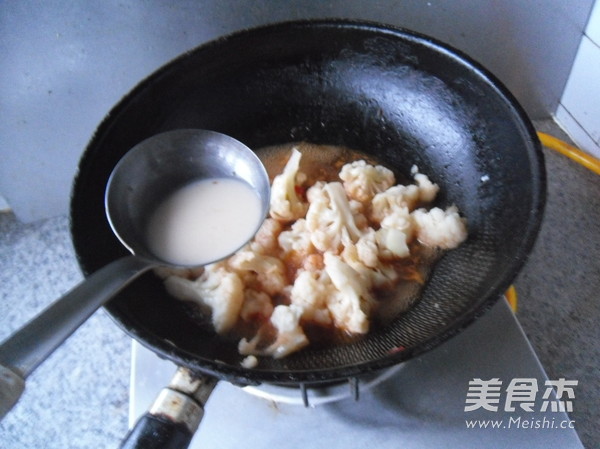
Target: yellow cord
(570, 151)
(511, 297)
(573, 153)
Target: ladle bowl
(146, 175)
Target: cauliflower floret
(396, 197)
(367, 249)
(315, 192)
(399, 218)
(285, 204)
(427, 189)
(351, 305)
(403, 196)
(393, 243)
(290, 336)
(296, 239)
(265, 240)
(249, 362)
(217, 290)
(362, 181)
(397, 229)
(267, 271)
(360, 219)
(328, 214)
(439, 228)
(365, 257)
(310, 293)
(257, 305)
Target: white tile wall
(579, 109)
(593, 26)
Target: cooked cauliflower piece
(366, 258)
(351, 304)
(267, 271)
(427, 189)
(296, 239)
(397, 229)
(393, 243)
(285, 204)
(362, 181)
(217, 289)
(367, 248)
(310, 293)
(290, 336)
(265, 240)
(328, 214)
(399, 218)
(257, 305)
(403, 196)
(396, 197)
(250, 362)
(439, 228)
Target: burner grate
(311, 395)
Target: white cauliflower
(315, 192)
(257, 305)
(310, 293)
(285, 204)
(403, 196)
(362, 181)
(358, 213)
(396, 197)
(265, 240)
(351, 305)
(427, 189)
(366, 258)
(290, 335)
(439, 228)
(328, 214)
(397, 229)
(217, 290)
(296, 239)
(367, 248)
(393, 243)
(267, 271)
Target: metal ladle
(148, 173)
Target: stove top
(483, 388)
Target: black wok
(402, 97)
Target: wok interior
(403, 98)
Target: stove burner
(313, 395)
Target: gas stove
(436, 400)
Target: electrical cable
(572, 153)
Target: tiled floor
(559, 287)
(79, 397)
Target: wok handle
(21, 353)
(175, 415)
(157, 432)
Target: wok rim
(244, 376)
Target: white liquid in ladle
(204, 221)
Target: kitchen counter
(79, 396)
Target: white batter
(204, 221)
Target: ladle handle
(21, 353)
